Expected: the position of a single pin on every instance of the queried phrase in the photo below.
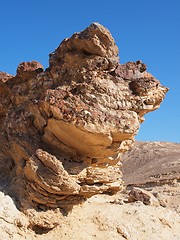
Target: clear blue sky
(146, 30)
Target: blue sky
(146, 30)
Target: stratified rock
(65, 128)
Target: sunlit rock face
(64, 129)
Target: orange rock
(64, 129)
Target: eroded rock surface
(63, 130)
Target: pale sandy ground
(112, 217)
(101, 217)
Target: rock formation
(63, 130)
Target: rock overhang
(78, 117)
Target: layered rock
(65, 128)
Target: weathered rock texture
(64, 129)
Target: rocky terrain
(64, 131)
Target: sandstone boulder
(64, 129)
(138, 194)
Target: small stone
(123, 232)
(137, 194)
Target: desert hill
(153, 162)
